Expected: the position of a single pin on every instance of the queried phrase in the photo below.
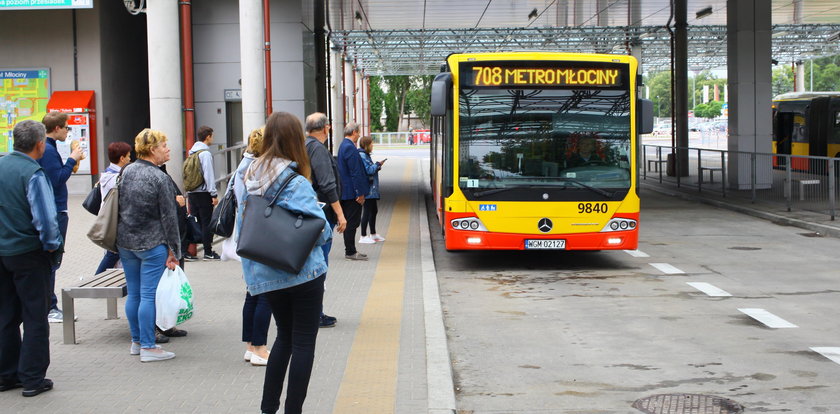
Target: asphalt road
(592, 332)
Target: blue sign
(486, 207)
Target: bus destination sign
(493, 74)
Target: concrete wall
(217, 62)
(44, 39)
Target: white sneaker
(135, 348)
(248, 355)
(55, 316)
(155, 354)
(366, 240)
(377, 237)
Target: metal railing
(390, 138)
(794, 182)
(227, 160)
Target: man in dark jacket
(29, 239)
(58, 172)
(325, 183)
(354, 187)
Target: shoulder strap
(282, 186)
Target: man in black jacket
(325, 182)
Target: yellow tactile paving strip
(370, 378)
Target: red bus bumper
(482, 240)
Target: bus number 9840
(592, 208)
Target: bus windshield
(543, 138)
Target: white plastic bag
(173, 299)
(229, 250)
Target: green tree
(713, 109)
(392, 119)
(782, 80)
(398, 87)
(825, 74)
(377, 103)
(419, 97)
(660, 93)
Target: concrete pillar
(749, 82)
(562, 13)
(350, 90)
(165, 79)
(336, 96)
(799, 78)
(252, 72)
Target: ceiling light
(704, 12)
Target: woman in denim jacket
(371, 207)
(295, 299)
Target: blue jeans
(63, 220)
(143, 270)
(256, 319)
(108, 261)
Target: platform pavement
(209, 374)
(818, 223)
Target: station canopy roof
(397, 37)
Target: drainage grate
(687, 404)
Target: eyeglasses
(65, 127)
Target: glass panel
(552, 138)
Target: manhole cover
(687, 404)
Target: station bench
(711, 171)
(109, 285)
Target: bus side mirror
(440, 93)
(644, 112)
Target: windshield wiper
(588, 187)
(493, 191)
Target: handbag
(93, 201)
(224, 216)
(103, 233)
(276, 237)
(194, 233)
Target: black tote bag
(277, 237)
(93, 201)
(224, 216)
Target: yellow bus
(806, 123)
(534, 150)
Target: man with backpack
(200, 184)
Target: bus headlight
(468, 223)
(619, 224)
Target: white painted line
(636, 253)
(667, 269)
(830, 352)
(709, 289)
(767, 318)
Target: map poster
(24, 94)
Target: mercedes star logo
(545, 225)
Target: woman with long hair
(371, 207)
(295, 299)
(256, 312)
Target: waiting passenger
(119, 153)
(371, 207)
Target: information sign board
(45, 4)
(23, 95)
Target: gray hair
(315, 122)
(28, 134)
(350, 128)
